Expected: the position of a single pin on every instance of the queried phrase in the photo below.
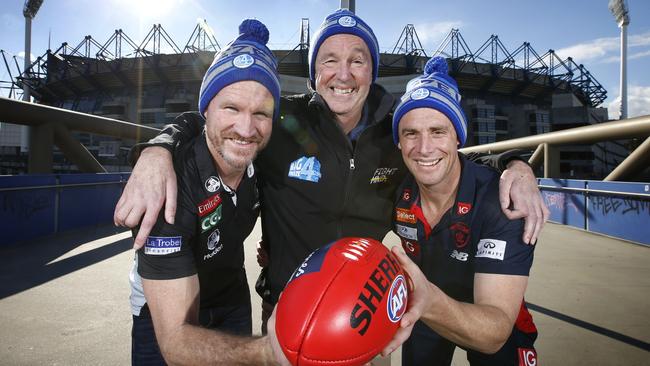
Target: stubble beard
(235, 161)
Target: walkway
(64, 300)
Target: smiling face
(238, 124)
(428, 143)
(343, 76)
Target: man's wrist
(516, 161)
(508, 159)
(139, 149)
(267, 350)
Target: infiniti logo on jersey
(489, 244)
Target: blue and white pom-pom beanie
(437, 90)
(245, 58)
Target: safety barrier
(33, 206)
(617, 209)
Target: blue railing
(33, 206)
(617, 209)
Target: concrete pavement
(64, 299)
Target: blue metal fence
(618, 209)
(32, 206)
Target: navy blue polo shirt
(474, 236)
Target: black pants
(426, 347)
(144, 347)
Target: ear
(399, 145)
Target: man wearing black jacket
(189, 294)
(330, 169)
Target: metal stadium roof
(93, 67)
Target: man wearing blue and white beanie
(189, 293)
(330, 169)
(472, 264)
(244, 58)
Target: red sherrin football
(342, 305)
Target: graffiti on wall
(24, 206)
(559, 201)
(607, 205)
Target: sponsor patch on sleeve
(491, 248)
(161, 245)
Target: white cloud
(611, 59)
(21, 55)
(591, 50)
(606, 50)
(639, 40)
(638, 102)
(639, 55)
(431, 34)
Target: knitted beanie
(343, 21)
(437, 90)
(245, 58)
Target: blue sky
(582, 29)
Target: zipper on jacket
(348, 184)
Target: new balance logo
(461, 256)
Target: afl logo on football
(347, 21)
(420, 94)
(243, 61)
(397, 296)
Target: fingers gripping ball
(342, 305)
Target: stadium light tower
(29, 11)
(348, 4)
(620, 11)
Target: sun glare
(152, 10)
